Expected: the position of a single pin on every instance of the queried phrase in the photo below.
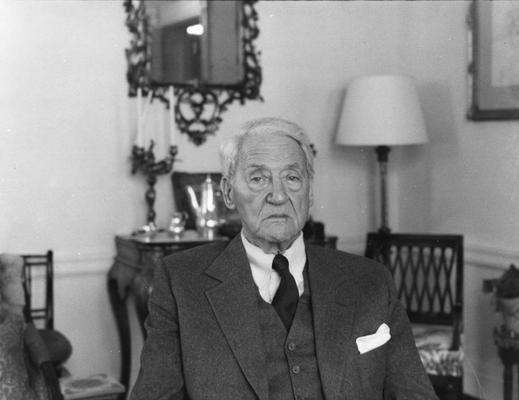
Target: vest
(291, 362)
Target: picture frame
(493, 60)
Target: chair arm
(40, 357)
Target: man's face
(271, 190)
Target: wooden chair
(428, 274)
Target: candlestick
(139, 139)
(144, 160)
(144, 117)
(173, 127)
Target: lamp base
(382, 157)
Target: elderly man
(266, 315)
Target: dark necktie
(287, 295)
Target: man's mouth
(278, 216)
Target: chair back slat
(427, 270)
(39, 298)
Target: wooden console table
(132, 273)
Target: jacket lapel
(234, 303)
(334, 301)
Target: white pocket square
(377, 339)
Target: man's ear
(227, 193)
(311, 196)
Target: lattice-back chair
(38, 280)
(428, 273)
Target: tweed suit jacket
(204, 339)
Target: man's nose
(277, 194)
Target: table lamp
(381, 111)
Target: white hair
(230, 149)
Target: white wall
(67, 128)
(65, 125)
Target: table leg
(123, 327)
(141, 290)
(507, 382)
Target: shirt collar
(295, 253)
(261, 266)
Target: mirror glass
(204, 50)
(195, 41)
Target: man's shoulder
(199, 255)
(335, 254)
(349, 262)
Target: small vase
(509, 309)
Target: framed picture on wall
(494, 60)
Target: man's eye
(257, 179)
(294, 178)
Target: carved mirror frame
(198, 107)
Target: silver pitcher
(205, 207)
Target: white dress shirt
(266, 279)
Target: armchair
(428, 274)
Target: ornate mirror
(203, 49)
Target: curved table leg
(120, 310)
(141, 289)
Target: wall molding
(99, 261)
(487, 256)
(89, 262)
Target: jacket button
(296, 369)
(291, 346)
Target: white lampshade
(381, 110)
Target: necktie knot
(280, 263)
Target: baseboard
(469, 397)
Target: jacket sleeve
(405, 376)
(160, 376)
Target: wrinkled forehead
(275, 150)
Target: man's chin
(281, 234)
